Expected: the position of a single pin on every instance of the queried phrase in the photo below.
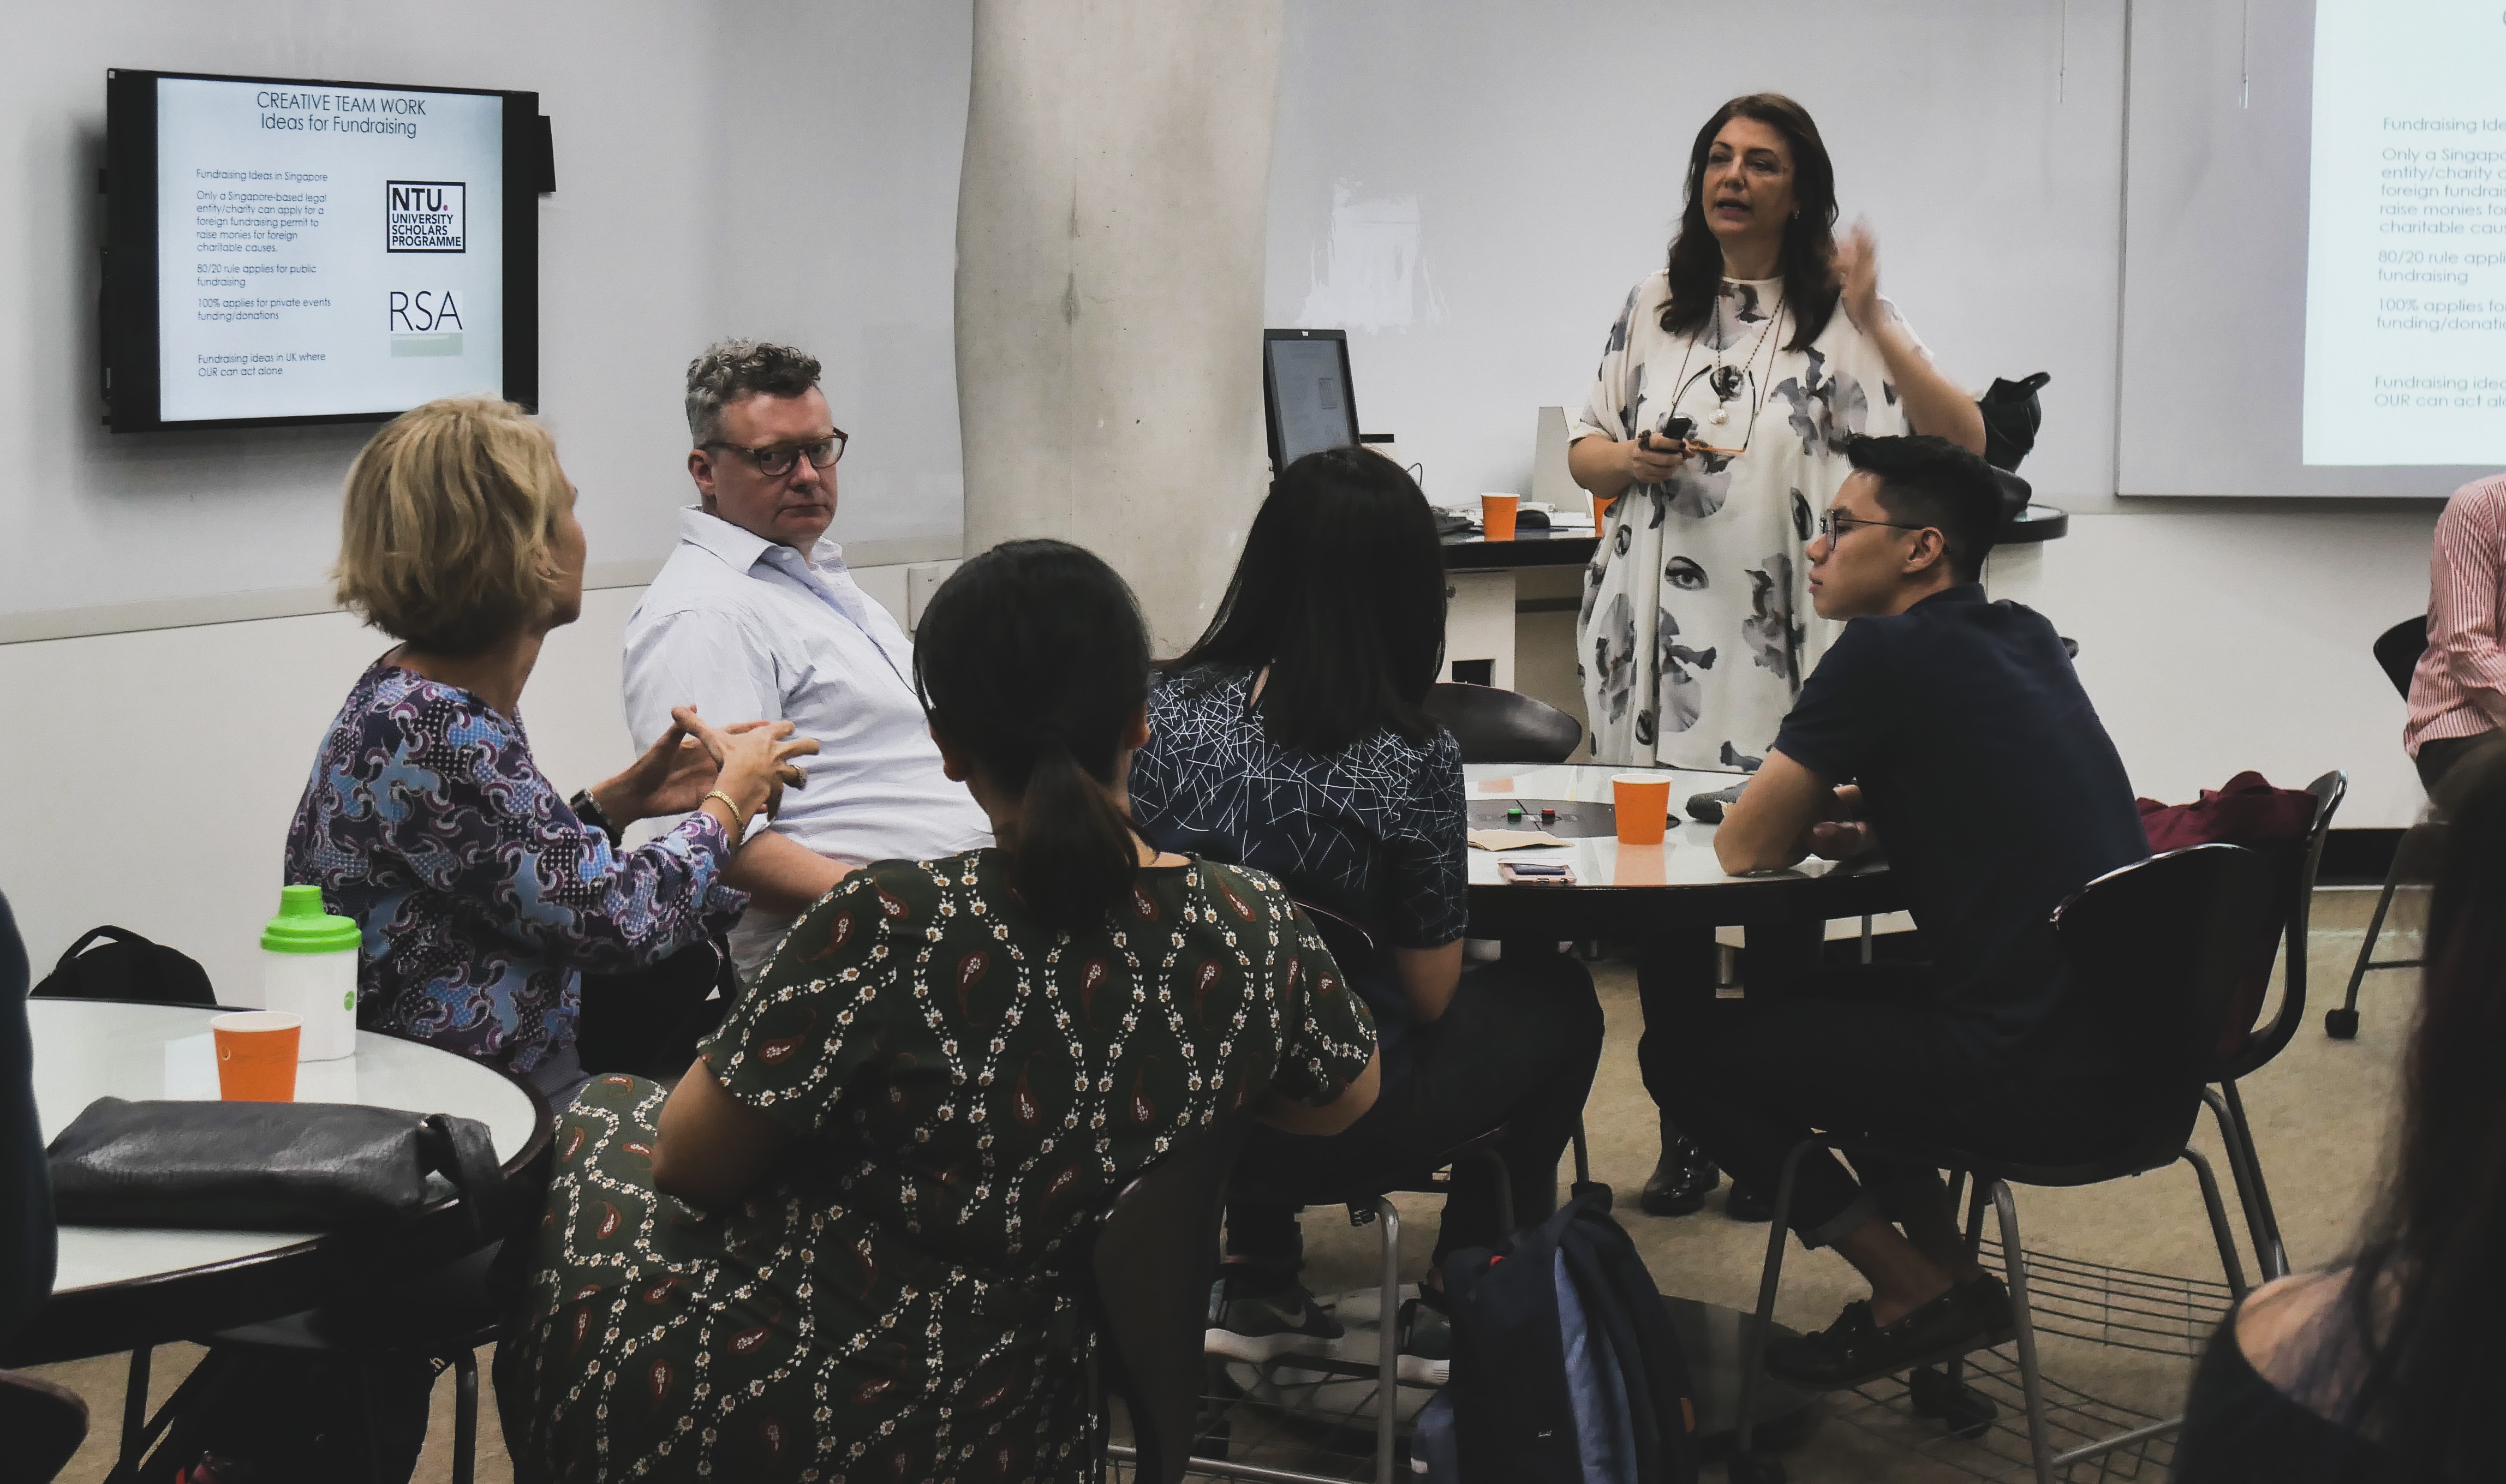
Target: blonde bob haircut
(445, 533)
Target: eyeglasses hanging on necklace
(1724, 380)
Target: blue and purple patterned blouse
(484, 898)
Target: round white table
(1627, 891)
(119, 1289)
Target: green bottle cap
(301, 926)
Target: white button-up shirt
(743, 629)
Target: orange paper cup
(257, 1055)
(1496, 516)
(1642, 801)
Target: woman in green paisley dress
(842, 1247)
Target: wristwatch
(588, 810)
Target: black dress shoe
(1681, 1180)
(1745, 1204)
(1854, 1350)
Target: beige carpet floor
(2323, 1115)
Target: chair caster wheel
(1752, 1468)
(1968, 1412)
(2341, 1025)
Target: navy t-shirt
(1993, 786)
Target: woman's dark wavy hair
(2428, 1294)
(1031, 659)
(1809, 254)
(1341, 592)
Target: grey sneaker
(1280, 1319)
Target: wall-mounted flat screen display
(291, 251)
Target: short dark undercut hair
(733, 370)
(1931, 482)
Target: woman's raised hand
(756, 757)
(1856, 276)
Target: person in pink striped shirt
(2458, 692)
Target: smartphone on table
(1535, 873)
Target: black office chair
(2255, 1046)
(1147, 1294)
(2398, 649)
(2176, 933)
(1355, 950)
(41, 1429)
(2397, 653)
(441, 1315)
(1495, 726)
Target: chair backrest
(2398, 649)
(1495, 726)
(1351, 945)
(41, 1427)
(2171, 937)
(2260, 1046)
(1155, 1255)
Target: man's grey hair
(733, 370)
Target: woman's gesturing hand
(1856, 274)
(672, 777)
(756, 757)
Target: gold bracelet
(738, 820)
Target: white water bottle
(308, 968)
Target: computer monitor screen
(1305, 384)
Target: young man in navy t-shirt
(1952, 733)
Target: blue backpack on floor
(1565, 1366)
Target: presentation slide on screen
(326, 250)
(2406, 252)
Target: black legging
(1516, 1047)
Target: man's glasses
(779, 459)
(1834, 525)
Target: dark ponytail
(1031, 659)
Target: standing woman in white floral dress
(1696, 630)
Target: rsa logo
(425, 312)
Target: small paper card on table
(1512, 839)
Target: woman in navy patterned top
(1292, 738)
(483, 894)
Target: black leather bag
(266, 1166)
(127, 967)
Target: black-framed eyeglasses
(776, 460)
(1834, 525)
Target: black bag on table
(127, 967)
(264, 1166)
(2012, 414)
(281, 1417)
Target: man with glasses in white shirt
(756, 615)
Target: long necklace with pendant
(1724, 381)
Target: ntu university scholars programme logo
(424, 216)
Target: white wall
(1470, 189)
(783, 168)
(776, 169)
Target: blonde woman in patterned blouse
(842, 1247)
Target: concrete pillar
(1110, 224)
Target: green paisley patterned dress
(967, 1087)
